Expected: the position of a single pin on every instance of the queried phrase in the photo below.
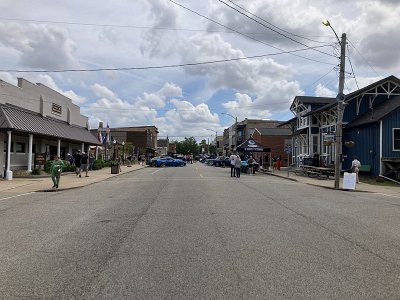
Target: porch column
(83, 148)
(59, 148)
(9, 173)
(30, 153)
(380, 147)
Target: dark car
(222, 161)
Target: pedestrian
(85, 164)
(78, 163)
(355, 167)
(251, 162)
(70, 159)
(142, 159)
(92, 158)
(232, 159)
(238, 165)
(278, 163)
(56, 169)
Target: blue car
(169, 162)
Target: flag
(108, 133)
(100, 137)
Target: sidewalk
(67, 181)
(330, 183)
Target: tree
(187, 146)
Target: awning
(16, 119)
(250, 145)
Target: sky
(190, 67)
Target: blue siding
(366, 147)
(390, 122)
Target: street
(196, 233)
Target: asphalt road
(196, 233)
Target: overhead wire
(351, 65)
(274, 30)
(163, 66)
(245, 35)
(365, 60)
(283, 30)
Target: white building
(37, 122)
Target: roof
(374, 85)
(313, 100)
(377, 114)
(21, 120)
(275, 131)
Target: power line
(254, 15)
(366, 61)
(274, 30)
(351, 65)
(240, 33)
(162, 67)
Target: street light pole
(235, 129)
(216, 150)
(340, 108)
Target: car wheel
(162, 165)
(181, 164)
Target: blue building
(371, 128)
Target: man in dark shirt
(78, 162)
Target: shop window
(20, 147)
(396, 139)
(5, 147)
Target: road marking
(16, 196)
(201, 175)
(158, 170)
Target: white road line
(158, 170)
(201, 175)
(17, 196)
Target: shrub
(35, 171)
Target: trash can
(114, 168)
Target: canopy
(251, 145)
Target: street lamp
(123, 151)
(235, 118)
(114, 154)
(340, 99)
(216, 150)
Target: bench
(365, 169)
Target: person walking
(56, 169)
(355, 167)
(278, 163)
(78, 163)
(251, 162)
(232, 159)
(85, 163)
(238, 165)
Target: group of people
(236, 165)
(80, 160)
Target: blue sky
(258, 78)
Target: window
(5, 147)
(56, 109)
(396, 139)
(20, 147)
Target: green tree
(187, 146)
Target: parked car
(154, 159)
(245, 166)
(169, 162)
(222, 161)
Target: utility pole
(340, 111)
(340, 108)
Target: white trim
(380, 146)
